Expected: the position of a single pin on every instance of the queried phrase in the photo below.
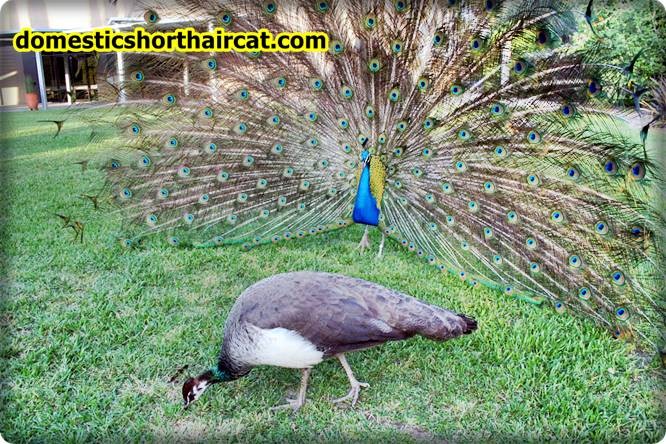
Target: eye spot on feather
(397, 46)
(512, 217)
(461, 166)
(497, 259)
(401, 5)
(240, 128)
(270, 8)
(637, 171)
(464, 134)
(203, 199)
(559, 307)
(135, 129)
(262, 184)
(322, 6)
(593, 87)
(222, 176)
(370, 22)
(311, 116)
(207, 113)
(428, 124)
(417, 172)
(288, 172)
(575, 261)
(125, 193)
(422, 84)
(429, 198)
(531, 243)
(584, 293)
(476, 44)
(241, 198)
(622, 313)
(151, 17)
(533, 180)
(601, 228)
(447, 188)
(520, 67)
(438, 39)
(184, 172)
(279, 82)
(535, 268)
(232, 219)
(489, 187)
(248, 161)
(243, 94)
(618, 277)
(573, 173)
(500, 152)
(456, 90)
(336, 47)
(610, 167)
(211, 64)
(169, 99)
(497, 109)
(464, 245)
(450, 220)
(138, 76)
(394, 95)
(173, 241)
(374, 65)
(277, 148)
(145, 161)
(488, 232)
(188, 218)
(163, 193)
(346, 92)
(473, 206)
(151, 220)
(567, 111)
(316, 84)
(427, 153)
(225, 19)
(557, 216)
(533, 137)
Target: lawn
(92, 334)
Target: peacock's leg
(355, 384)
(298, 402)
(381, 245)
(365, 240)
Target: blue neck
(219, 375)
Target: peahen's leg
(381, 245)
(297, 403)
(365, 240)
(355, 384)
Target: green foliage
(91, 334)
(624, 28)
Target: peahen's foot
(355, 384)
(353, 393)
(297, 403)
(365, 241)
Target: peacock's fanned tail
(502, 157)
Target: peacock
(296, 320)
(472, 133)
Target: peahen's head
(194, 387)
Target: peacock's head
(194, 387)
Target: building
(57, 77)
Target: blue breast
(365, 206)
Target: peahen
(296, 320)
(468, 131)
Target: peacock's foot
(294, 404)
(353, 393)
(365, 241)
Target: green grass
(92, 333)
